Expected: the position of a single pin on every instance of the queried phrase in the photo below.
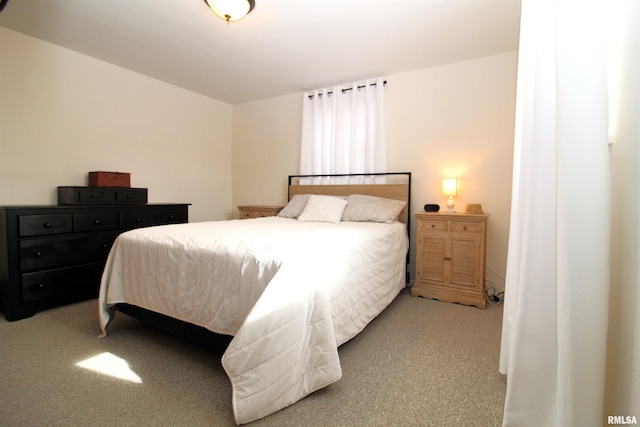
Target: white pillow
(363, 208)
(295, 206)
(323, 209)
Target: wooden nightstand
(258, 211)
(450, 257)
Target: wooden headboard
(393, 185)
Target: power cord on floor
(493, 297)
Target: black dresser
(51, 255)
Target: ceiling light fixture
(231, 10)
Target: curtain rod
(384, 83)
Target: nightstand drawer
(47, 253)
(42, 225)
(466, 227)
(244, 214)
(433, 226)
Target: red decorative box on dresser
(109, 179)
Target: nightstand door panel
(432, 258)
(464, 258)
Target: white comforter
(290, 293)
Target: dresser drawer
(137, 219)
(131, 195)
(41, 225)
(81, 282)
(101, 196)
(96, 195)
(47, 253)
(171, 216)
(461, 227)
(99, 221)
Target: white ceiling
(282, 47)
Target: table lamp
(450, 189)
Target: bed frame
(395, 185)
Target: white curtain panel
(556, 301)
(343, 129)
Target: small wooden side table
(258, 211)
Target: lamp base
(450, 206)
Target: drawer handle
(464, 228)
(433, 226)
(96, 222)
(171, 217)
(105, 245)
(447, 259)
(37, 254)
(41, 285)
(138, 219)
(47, 224)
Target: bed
(288, 289)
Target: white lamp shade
(231, 10)
(450, 187)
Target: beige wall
(63, 114)
(455, 120)
(266, 149)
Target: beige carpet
(420, 363)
